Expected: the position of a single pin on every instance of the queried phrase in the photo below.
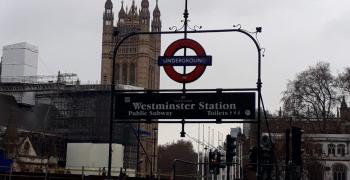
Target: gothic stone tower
(137, 57)
(136, 65)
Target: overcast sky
(296, 34)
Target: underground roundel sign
(200, 61)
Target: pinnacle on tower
(133, 9)
(144, 4)
(145, 15)
(122, 13)
(156, 23)
(144, 8)
(156, 11)
(108, 4)
(108, 14)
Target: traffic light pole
(228, 172)
(287, 153)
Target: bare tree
(343, 80)
(312, 95)
(180, 150)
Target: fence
(72, 173)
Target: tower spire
(156, 23)
(133, 7)
(108, 4)
(121, 14)
(108, 14)
(145, 15)
(133, 11)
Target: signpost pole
(183, 133)
(259, 84)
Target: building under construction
(63, 107)
(80, 113)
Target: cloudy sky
(296, 34)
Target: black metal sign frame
(238, 29)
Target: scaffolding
(79, 113)
(64, 78)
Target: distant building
(19, 60)
(19, 63)
(326, 144)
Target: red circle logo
(198, 70)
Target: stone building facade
(326, 144)
(136, 63)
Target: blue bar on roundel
(185, 60)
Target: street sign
(170, 52)
(184, 60)
(240, 105)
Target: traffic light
(297, 149)
(253, 153)
(211, 161)
(220, 159)
(266, 160)
(230, 148)
(266, 150)
(217, 162)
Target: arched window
(331, 149)
(132, 74)
(341, 149)
(125, 73)
(339, 172)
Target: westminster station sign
(240, 105)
